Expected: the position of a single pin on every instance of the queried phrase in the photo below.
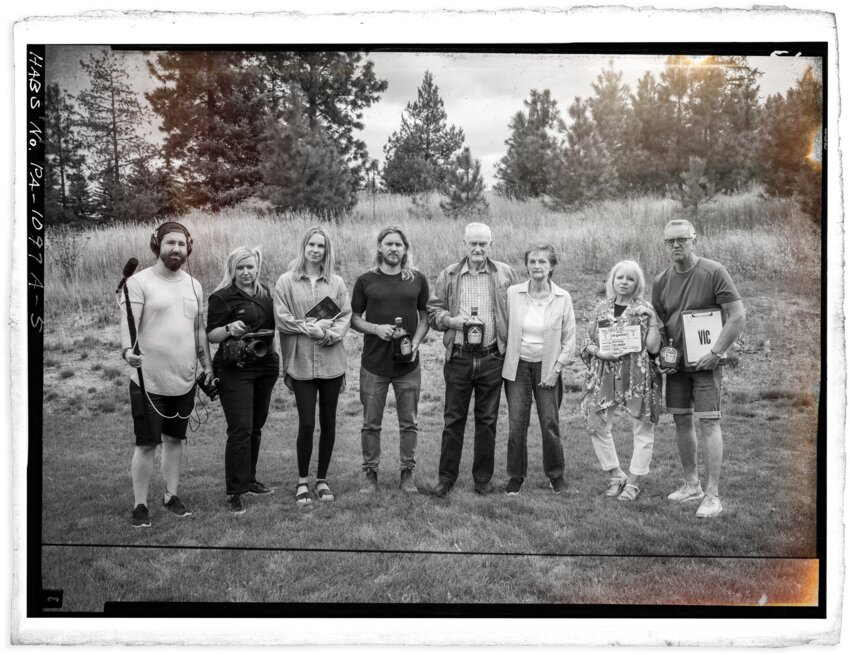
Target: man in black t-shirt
(392, 289)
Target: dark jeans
(306, 392)
(373, 395)
(466, 373)
(245, 397)
(519, 393)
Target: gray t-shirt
(167, 313)
(706, 286)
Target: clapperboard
(701, 328)
(620, 339)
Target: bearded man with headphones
(173, 348)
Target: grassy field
(534, 548)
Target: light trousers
(599, 426)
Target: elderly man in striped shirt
(475, 281)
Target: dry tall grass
(758, 239)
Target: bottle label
(670, 355)
(474, 336)
(406, 347)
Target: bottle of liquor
(402, 343)
(473, 332)
(670, 356)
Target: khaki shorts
(696, 393)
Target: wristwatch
(227, 328)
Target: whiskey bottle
(670, 356)
(473, 332)
(402, 343)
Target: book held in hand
(325, 308)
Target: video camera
(248, 348)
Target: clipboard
(325, 308)
(701, 329)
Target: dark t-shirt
(232, 304)
(706, 286)
(383, 297)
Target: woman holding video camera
(240, 317)
(622, 337)
(313, 311)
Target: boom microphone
(129, 269)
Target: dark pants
(245, 397)
(519, 393)
(306, 392)
(466, 373)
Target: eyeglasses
(677, 241)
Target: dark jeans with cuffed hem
(306, 393)
(466, 374)
(519, 392)
(245, 397)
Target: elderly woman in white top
(540, 342)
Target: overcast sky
(481, 91)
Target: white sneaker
(709, 507)
(688, 491)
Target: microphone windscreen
(130, 266)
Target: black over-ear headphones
(166, 228)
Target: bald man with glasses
(693, 392)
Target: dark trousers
(519, 392)
(245, 397)
(306, 392)
(464, 374)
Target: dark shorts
(175, 407)
(696, 393)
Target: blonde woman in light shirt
(540, 342)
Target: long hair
(233, 259)
(300, 262)
(550, 255)
(629, 266)
(407, 270)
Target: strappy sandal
(323, 491)
(302, 494)
(615, 486)
(630, 492)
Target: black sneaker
(176, 507)
(259, 489)
(234, 504)
(513, 487)
(558, 485)
(141, 518)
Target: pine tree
(694, 188)
(527, 169)
(587, 171)
(465, 188)
(609, 107)
(646, 167)
(789, 152)
(111, 115)
(302, 169)
(213, 110)
(418, 155)
(676, 81)
(63, 156)
(332, 88)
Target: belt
(481, 352)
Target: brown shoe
(371, 484)
(406, 483)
